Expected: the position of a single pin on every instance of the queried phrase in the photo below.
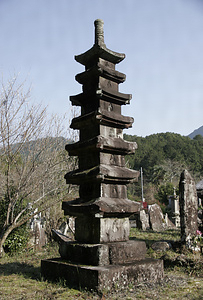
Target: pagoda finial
(99, 32)
(99, 48)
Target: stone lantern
(102, 254)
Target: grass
(176, 258)
(20, 275)
(150, 236)
(20, 278)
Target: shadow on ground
(27, 270)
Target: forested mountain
(54, 143)
(196, 132)
(163, 156)
(156, 149)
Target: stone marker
(156, 218)
(175, 210)
(169, 223)
(102, 255)
(188, 206)
(142, 220)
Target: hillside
(167, 151)
(198, 131)
(53, 143)
(163, 157)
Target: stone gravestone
(188, 206)
(102, 256)
(169, 223)
(175, 210)
(156, 218)
(38, 235)
(142, 220)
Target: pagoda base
(102, 278)
(102, 266)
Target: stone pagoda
(102, 254)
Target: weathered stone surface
(188, 206)
(169, 223)
(175, 209)
(99, 70)
(101, 230)
(103, 206)
(102, 173)
(88, 254)
(114, 144)
(161, 246)
(103, 254)
(103, 277)
(156, 218)
(142, 220)
(126, 252)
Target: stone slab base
(103, 254)
(102, 277)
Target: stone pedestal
(102, 255)
(103, 277)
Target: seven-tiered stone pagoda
(102, 254)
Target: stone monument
(102, 255)
(188, 206)
(175, 209)
(156, 218)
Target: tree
(164, 191)
(173, 170)
(162, 157)
(33, 162)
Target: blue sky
(162, 40)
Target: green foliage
(163, 157)
(164, 191)
(199, 138)
(134, 191)
(17, 240)
(156, 150)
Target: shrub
(17, 240)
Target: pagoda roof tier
(100, 70)
(99, 51)
(102, 206)
(104, 118)
(103, 173)
(109, 96)
(102, 144)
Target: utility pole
(142, 185)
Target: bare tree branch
(32, 155)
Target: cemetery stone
(142, 220)
(156, 218)
(188, 206)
